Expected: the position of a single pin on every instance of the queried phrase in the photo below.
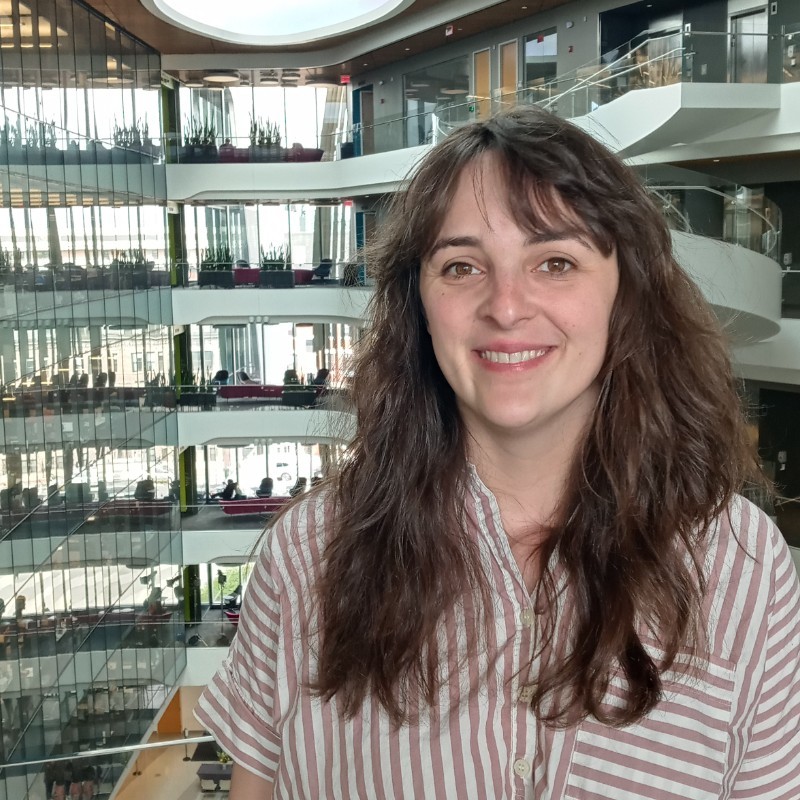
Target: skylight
(274, 22)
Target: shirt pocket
(678, 751)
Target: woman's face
(519, 323)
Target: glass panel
(482, 82)
(507, 90)
(541, 57)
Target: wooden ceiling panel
(169, 39)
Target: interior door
(482, 83)
(508, 68)
(748, 60)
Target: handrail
(768, 224)
(103, 751)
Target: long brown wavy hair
(665, 450)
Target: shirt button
(526, 617)
(522, 768)
(526, 694)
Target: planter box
(246, 276)
(298, 396)
(222, 279)
(276, 279)
(158, 278)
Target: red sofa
(254, 505)
(250, 391)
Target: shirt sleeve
(771, 767)
(238, 706)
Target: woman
(532, 577)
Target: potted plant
(200, 142)
(5, 267)
(140, 270)
(276, 268)
(11, 149)
(216, 268)
(208, 144)
(49, 143)
(265, 141)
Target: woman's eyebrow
(569, 234)
(541, 237)
(453, 241)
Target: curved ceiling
(272, 22)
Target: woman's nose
(508, 299)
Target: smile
(511, 358)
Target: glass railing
(273, 397)
(689, 56)
(791, 53)
(75, 277)
(60, 516)
(21, 401)
(194, 762)
(28, 140)
(738, 215)
(241, 273)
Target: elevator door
(749, 47)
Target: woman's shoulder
(745, 529)
(748, 565)
(294, 544)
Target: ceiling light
(269, 81)
(454, 91)
(193, 84)
(222, 76)
(419, 85)
(407, 49)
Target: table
(214, 773)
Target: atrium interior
(183, 217)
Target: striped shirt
(730, 729)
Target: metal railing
(740, 222)
(102, 770)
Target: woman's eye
(556, 266)
(460, 270)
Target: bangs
(539, 207)
(547, 212)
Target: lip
(502, 366)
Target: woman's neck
(526, 477)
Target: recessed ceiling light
(222, 76)
(407, 49)
(454, 91)
(420, 84)
(365, 64)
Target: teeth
(511, 358)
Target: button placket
(526, 694)
(527, 617)
(522, 768)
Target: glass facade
(90, 559)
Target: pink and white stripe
(728, 730)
